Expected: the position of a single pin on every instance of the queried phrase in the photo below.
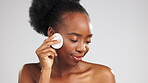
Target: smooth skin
(59, 66)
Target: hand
(46, 54)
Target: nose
(81, 48)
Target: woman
(63, 65)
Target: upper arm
(25, 75)
(108, 76)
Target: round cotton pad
(58, 37)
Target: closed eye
(88, 42)
(73, 40)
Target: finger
(49, 57)
(49, 38)
(48, 49)
(50, 54)
(48, 44)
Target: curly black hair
(47, 13)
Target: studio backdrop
(120, 38)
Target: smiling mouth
(77, 58)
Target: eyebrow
(76, 34)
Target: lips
(77, 58)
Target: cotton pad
(58, 37)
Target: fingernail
(56, 55)
(59, 40)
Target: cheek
(87, 48)
(67, 48)
(68, 45)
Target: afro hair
(47, 13)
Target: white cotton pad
(58, 37)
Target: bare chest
(76, 79)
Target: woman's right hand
(46, 53)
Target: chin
(73, 63)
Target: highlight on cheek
(91, 27)
(87, 46)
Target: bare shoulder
(30, 67)
(101, 73)
(28, 72)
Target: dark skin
(61, 66)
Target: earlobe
(50, 31)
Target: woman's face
(77, 32)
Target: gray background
(120, 38)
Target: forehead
(76, 22)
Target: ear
(50, 31)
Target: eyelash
(77, 41)
(88, 42)
(73, 40)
